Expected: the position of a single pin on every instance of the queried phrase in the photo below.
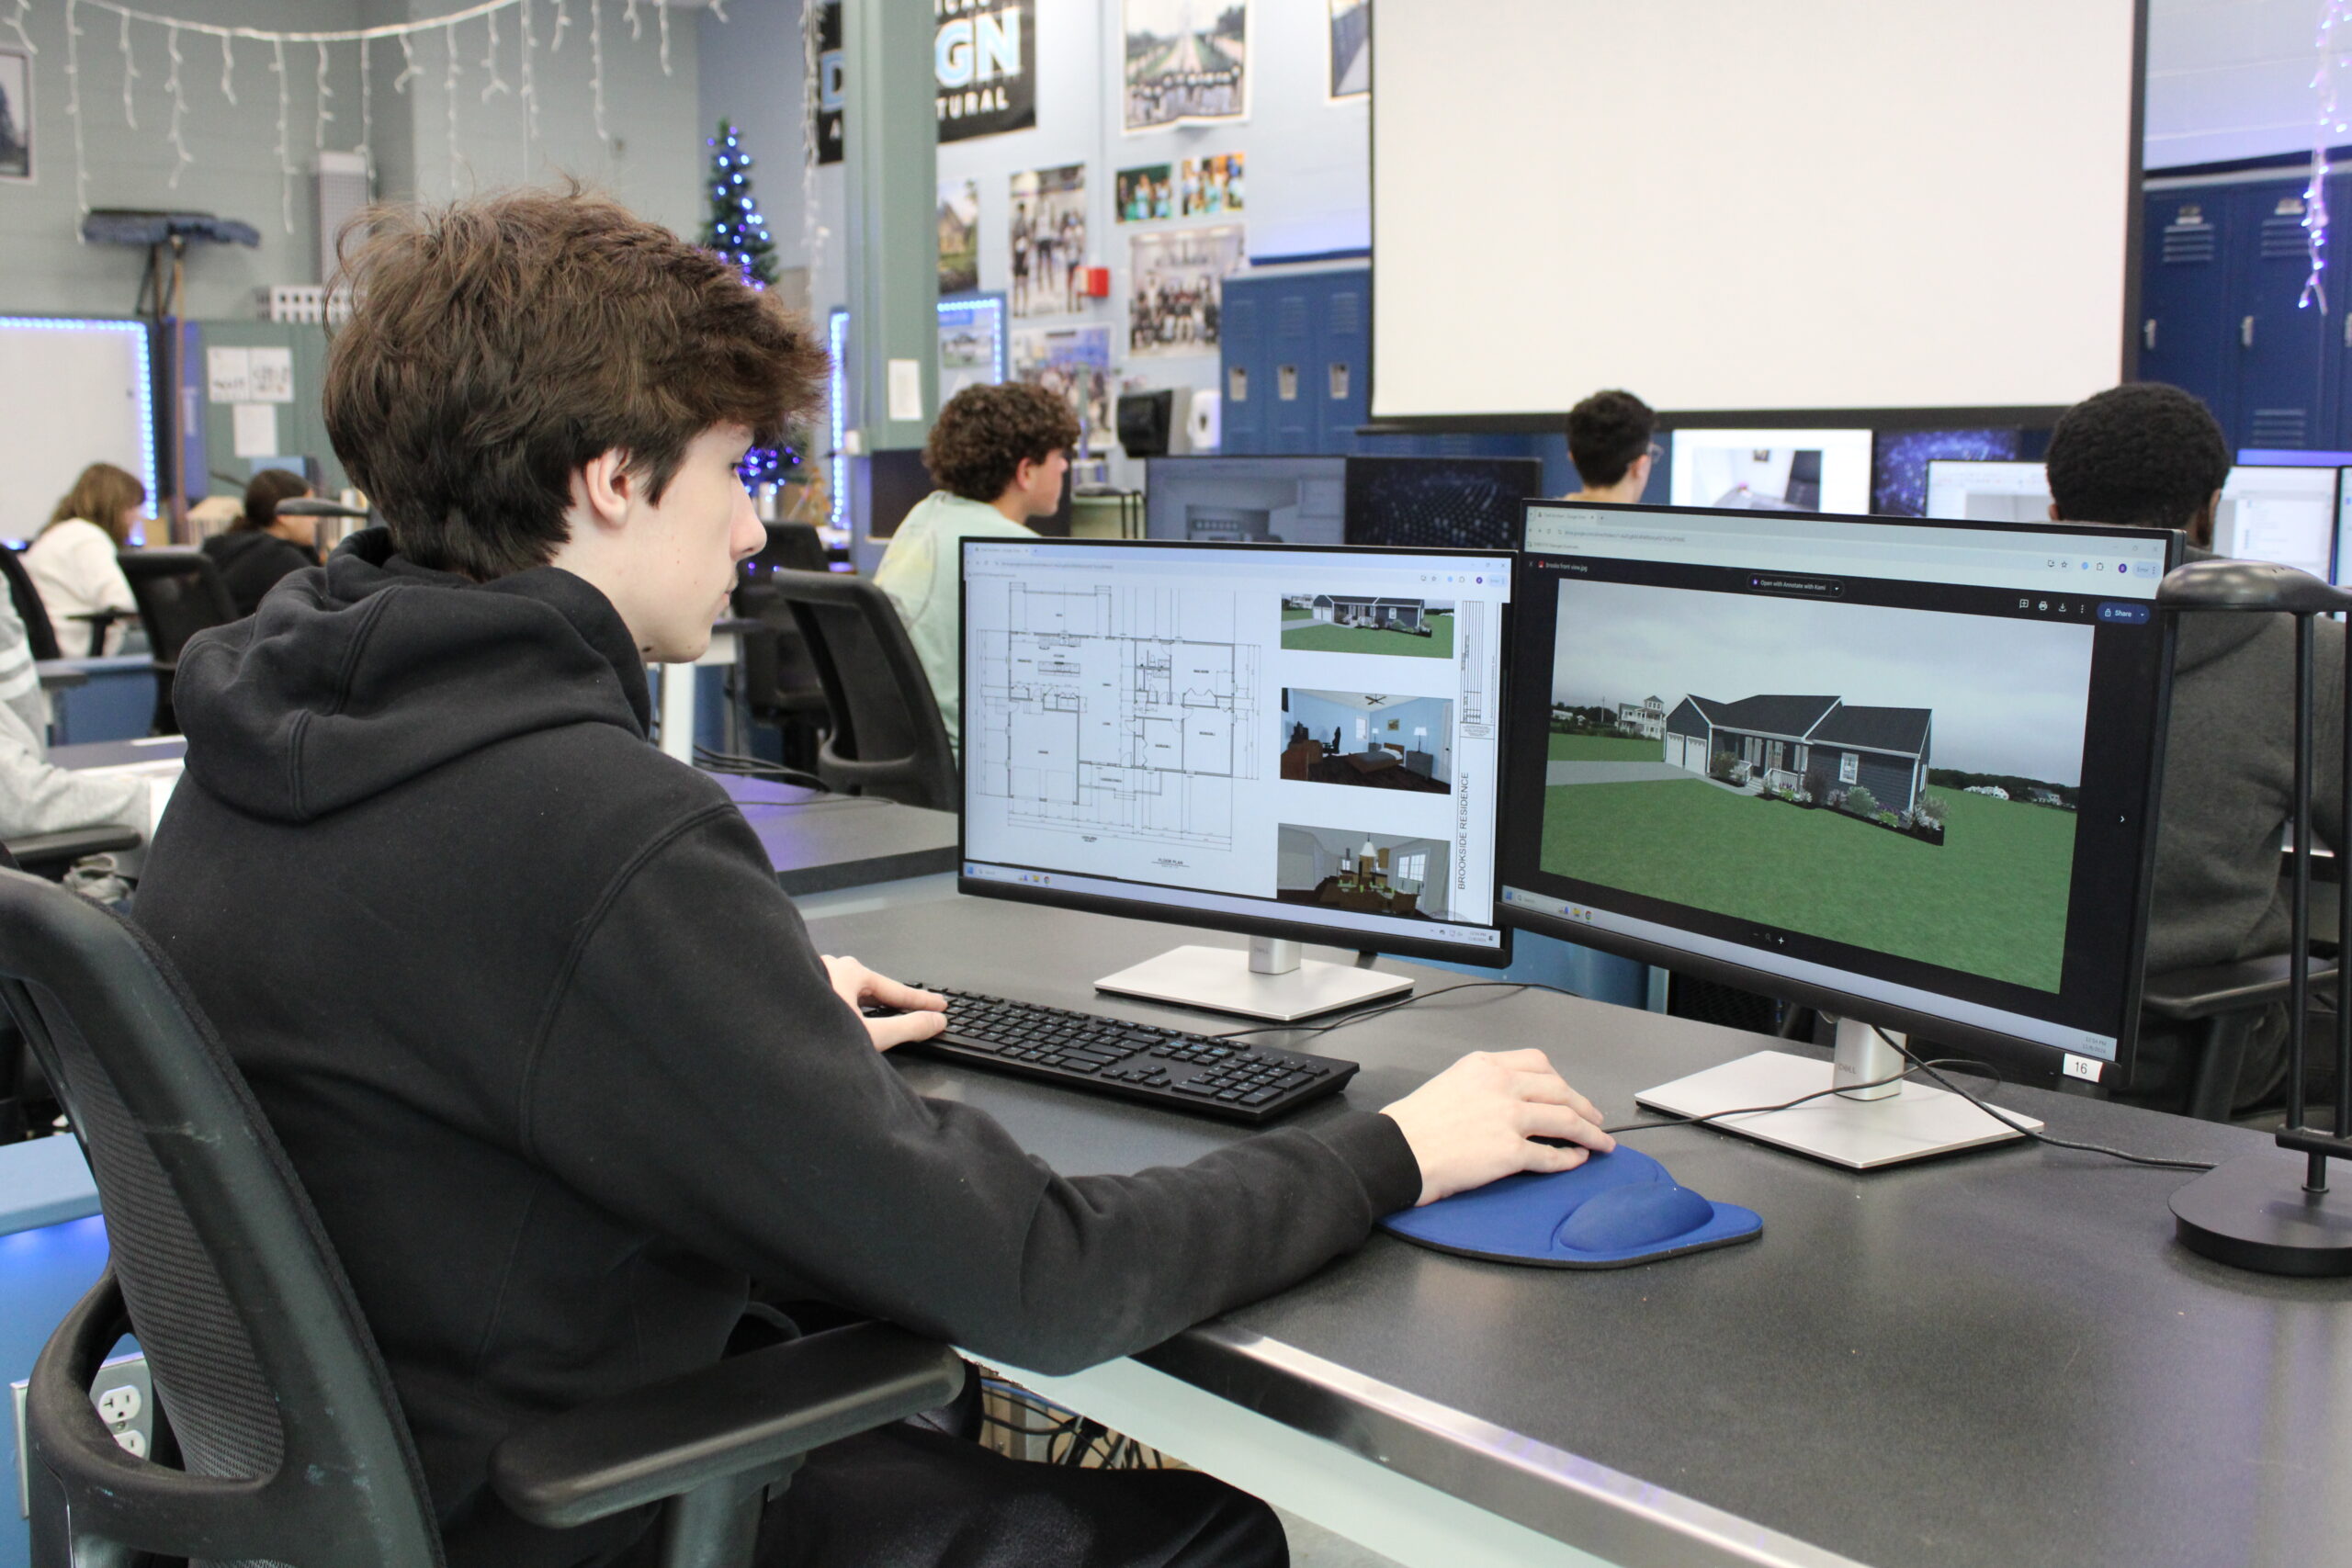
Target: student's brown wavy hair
(499, 345)
(985, 432)
(101, 495)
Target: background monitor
(1901, 771)
(897, 481)
(1147, 422)
(1772, 471)
(1246, 501)
(1301, 745)
(1437, 503)
(2287, 514)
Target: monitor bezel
(1869, 466)
(1272, 927)
(2019, 1059)
(1357, 464)
(1177, 462)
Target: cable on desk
(1386, 1008)
(735, 763)
(1784, 1105)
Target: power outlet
(124, 1397)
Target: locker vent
(1345, 313)
(1290, 316)
(2281, 427)
(2283, 239)
(2190, 244)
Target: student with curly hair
(2151, 456)
(998, 455)
(1609, 436)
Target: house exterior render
(1819, 745)
(1645, 719)
(1364, 610)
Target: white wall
(654, 165)
(2231, 79)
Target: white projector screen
(1751, 205)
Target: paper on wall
(273, 376)
(229, 372)
(256, 430)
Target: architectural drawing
(1130, 712)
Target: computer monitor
(2283, 513)
(1437, 503)
(1147, 422)
(1242, 737)
(1246, 501)
(897, 482)
(1902, 772)
(1771, 470)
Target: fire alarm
(1095, 282)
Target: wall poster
(1186, 60)
(15, 115)
(1074, 364)
(1176, 288)
(1144, 193)
(1048, 240)
(983, 59)
(959, 236)
(832, 85)
(1210, 187)
(1350, 48)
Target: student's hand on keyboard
(922, 1014)
(1474, 1122)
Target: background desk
(1998, 1359)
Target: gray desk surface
(818, 843)
(1998, 1360)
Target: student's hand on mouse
(922, 1013)
(1474, 1122)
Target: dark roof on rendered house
(1768, 715)
(1876, 729)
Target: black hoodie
(559, 1069)
(253, 562)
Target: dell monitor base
(1271, 980)
(1900, 1121)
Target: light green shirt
(919, 571)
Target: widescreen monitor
(1301, 745)
(2283, 513)
(1899, 771)
(1772, 471)
(1245, 501)
(1437, 503)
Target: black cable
(2036, 1135)
(1386, 1008)
(1753, 1110)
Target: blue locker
(1296, 352)
(1294, 415)
(1242, 357)
(2186, 336)
(1345, 356)
(2279, 397)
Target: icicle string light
(662, 8)
(285, 148)
(74, 110)
(325, 115)
(181, 157)
(228, 69)
(596, 65)
(497, 84)
(562, 26)
(16, 26)
(367, 108)
(408, 73)
(530, 88)
(635, 23)
(129, 79)
(449, 96)
(2316, 191)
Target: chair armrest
(59, 674)
(35, 851)
(2188, 993)
(719, 1421)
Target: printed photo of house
(1816, 748)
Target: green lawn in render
(1604, 748)
(1991, 899)
(1321, 636)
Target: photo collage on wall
(1186, 60)
(1074, 364)
(959, 236)
(1176, 288)
(1047, 238)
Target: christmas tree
(736, 231)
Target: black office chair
(775, 680)
(269, 1390)
(885, 736)
(180, 593)
(29, 609)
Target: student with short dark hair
(999, 454)
(263, 548)
(2148, 455)
(553, 1055)
(1612, 440)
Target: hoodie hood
(359, 675)
(2205, 638)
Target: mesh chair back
(794, 547)
(886, 737)
(180, 593)
(284, 1416)
(29, 609)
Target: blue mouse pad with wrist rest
(1614, 1210)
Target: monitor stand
(1862, 1129)
(1271, 980)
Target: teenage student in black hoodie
(552, 1054)
(263, 547)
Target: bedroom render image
(1892, 778)
(1369, 874)
(1366, 739)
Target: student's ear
(2054, 516)
(2200, 528)
(601, 488)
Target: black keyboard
(1138, 1061)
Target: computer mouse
(1614, 1210)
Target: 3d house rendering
(1819, 746)
(1364, 609)
(1367, 739)
(1645, 719)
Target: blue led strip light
(144, 380)
(837, 342)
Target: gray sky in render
(2008, 695)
